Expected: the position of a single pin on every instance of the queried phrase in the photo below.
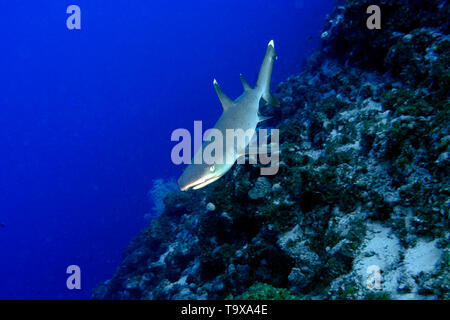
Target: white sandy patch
(424, 257)
(381, 248)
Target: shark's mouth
(197, 185)
(201, 185)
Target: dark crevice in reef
(363, 180)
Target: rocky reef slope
(360, 206)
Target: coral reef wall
(360, 206)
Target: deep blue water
(86, 117)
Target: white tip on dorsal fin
(224, 99)
(272, 44)
(245, 84)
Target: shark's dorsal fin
(245, 84)
(224, 99)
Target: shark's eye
(212, 168)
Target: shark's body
(240, 114)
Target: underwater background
(86, 117)
(360, 206)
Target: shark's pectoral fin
(224, 99)
(253, 151)
(245, 84)
(254, 148)
(271, 99)
(252, 158)
(263, 118)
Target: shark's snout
(191, 177)
(182, 185)
(196, 176)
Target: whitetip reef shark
(240, 114)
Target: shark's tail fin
(265, 75)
